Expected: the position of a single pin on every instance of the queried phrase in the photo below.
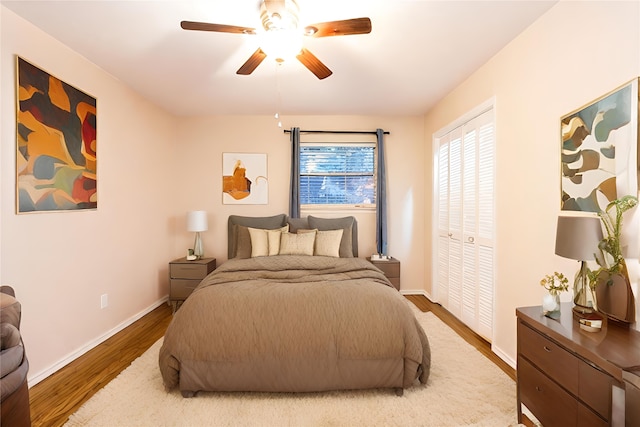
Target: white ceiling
(417, 51)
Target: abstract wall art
(244, 179)
(599, 153)
(56, 144)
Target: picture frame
(244, 179)
(56, 156)
(599, 150)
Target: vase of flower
(555, 284)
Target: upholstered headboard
(237, 237)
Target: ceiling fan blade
(252, 63)
(314, 65)
(339, 28)
(205, 26)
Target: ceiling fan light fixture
(279, 15)
(282, 45)
(281, 37)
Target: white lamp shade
(577, 237)
(197, 221)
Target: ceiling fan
(281, 34)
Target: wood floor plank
(55, 398)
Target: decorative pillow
(297, 244)
(265, 242)
(235, 232)
(328, 243)
(305, 230)
(243, 242)
(347, 249)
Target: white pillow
(328, 243)
(265, 242)
(297, 244)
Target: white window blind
(337, 174)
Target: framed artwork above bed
(244, 179)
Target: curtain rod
(372, 132)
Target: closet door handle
(471, 239)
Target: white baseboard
(504, 356)
(35, 379)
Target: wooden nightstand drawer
(549, 357)
(191, 269)
(390, 268)
(182, 288)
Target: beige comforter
(294, 324)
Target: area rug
(464, 389)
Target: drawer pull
(547, 349)
(538, 389)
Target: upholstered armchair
(14, 392)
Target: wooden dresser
(570, 377)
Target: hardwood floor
(55, 398)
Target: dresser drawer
(192, 270)
(552, 405)
(595, 389)
(586, 418)
(182, 288)
(549, 357)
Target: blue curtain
(294, 196)
(381, 197)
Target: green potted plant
(611, 280)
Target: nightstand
(185, 275)
(390, 268)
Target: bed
(286, 315)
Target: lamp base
(583, 297)
(198, 250)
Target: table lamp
(197, 222)
(577, 237)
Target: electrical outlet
(104, 300)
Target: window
(337, 174)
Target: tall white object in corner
(464, 211)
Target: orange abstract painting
(56, 144)
(244, 179)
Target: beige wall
(61, 263)
(575, 53)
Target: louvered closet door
(465, 223)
